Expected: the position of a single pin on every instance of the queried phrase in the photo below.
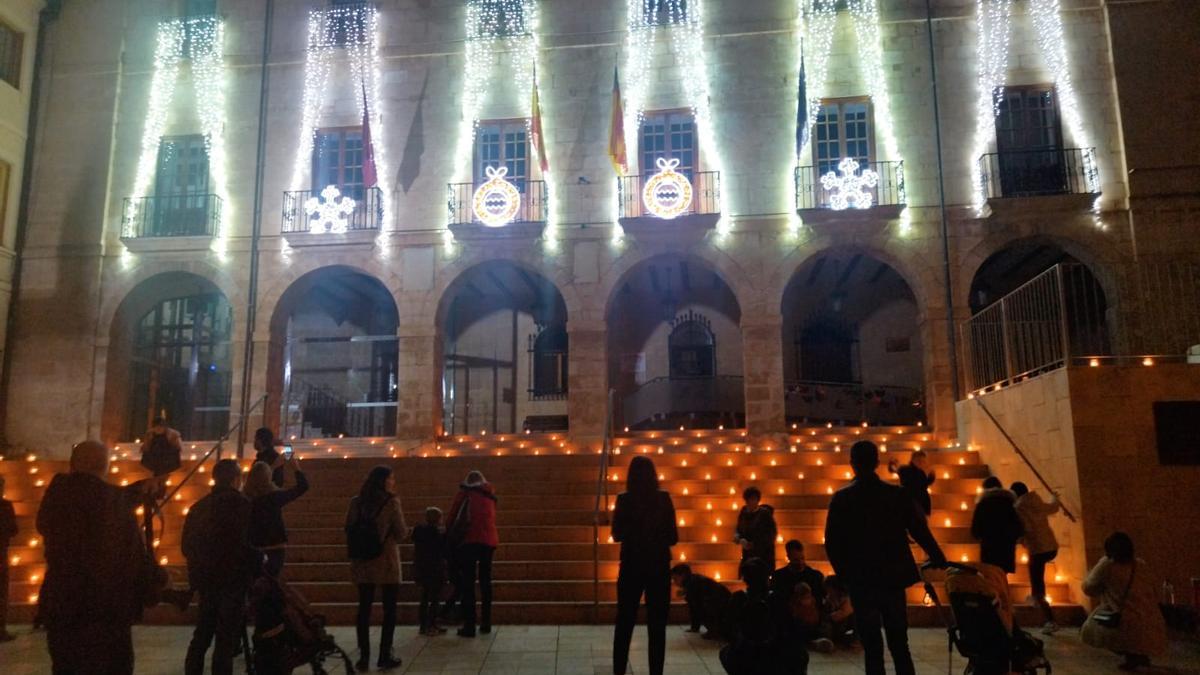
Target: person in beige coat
(1040, 544)
(1122, 583)
(377, 502)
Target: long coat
(1035, 514)
(1142, 630)
(384, 569)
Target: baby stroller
(287, 634)
(975, 628)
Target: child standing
(429, 565)
(8, 530)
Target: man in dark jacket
(997, 527)
(97, 567)
(707, 602)
(866, 538)
(221, 566)
(915, 478)
(756, 529)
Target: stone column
(762, 370)
(587, 381)
(418, 408)
(939, 389)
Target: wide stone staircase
(545, 569)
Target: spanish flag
(616, 130)
(535, 127)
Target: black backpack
(362, 536)
(161, 456)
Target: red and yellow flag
(616, 131)
(535, 127)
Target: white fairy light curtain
(201, 39)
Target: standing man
(756, 529)
(221, 566)
(98, 571)
(866, 537)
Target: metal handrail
(601, 493)
(215, 449)
(1025, 458)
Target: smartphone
(287, 452)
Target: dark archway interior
(334, 338)
(852, 342)
(170, 356)
(663, 382)
(504, 351)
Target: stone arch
(719, 262)
(123, 283)
(332, 356)
(164, 318)
(855, 338)
(286, 277)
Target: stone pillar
(939, 389)
(587, 381)
(762, 370)
(418, 408)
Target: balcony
(324, 217)
(669, 205)
(513, 209)
(666, 402)
(835, 194)
(171, 222)
(1037, 173)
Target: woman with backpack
(472, 533)
(374, 529)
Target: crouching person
(221, 566)
(707, 601)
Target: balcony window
(503, 144)
(347, 25)
(338, 161)
(669, 135)
(499, 18)
(199, 8)
(182, 204)
(12, 44)
(844, 128)
(664, 12)
(1029, 149)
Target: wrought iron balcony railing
(705, 195)
(531, 204)
(838, 191)
(315, 212)
(1031, 173)
(187, 215)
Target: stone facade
(78, 272)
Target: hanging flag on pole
(370, 177)
(537, 137)
(802, 109)
(616, 130)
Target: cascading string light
(1047, 23)
(993, 23)
(207, 36)
(820, 24)
(168, 52)
(684, 21)
(356, 28)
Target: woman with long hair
(267, 531)
(1124, 585)
(644, 523)
(377, 504)
(472, 531)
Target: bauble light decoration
(667, 194)
(497, 200)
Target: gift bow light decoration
(330, 213)
(497, 201)
(851, 189)
(667, 194)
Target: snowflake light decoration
(851, 189)
(330, 213)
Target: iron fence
(888, 190)
(706, 194)
(534, 203)
(185, 215)
(298, 217)
(807, 401)
(663, 400)
(1029, 173)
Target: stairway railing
(1025, 458)
(601, 495)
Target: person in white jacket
(1039, 543)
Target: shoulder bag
(1112, 618)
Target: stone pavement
(581, 649)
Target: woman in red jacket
(472, 529)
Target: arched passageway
(504, 349)
(675, 347)
(334, 357)
(852, 343)
(170, 356)
(1034, 306)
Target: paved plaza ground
(581, 649)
